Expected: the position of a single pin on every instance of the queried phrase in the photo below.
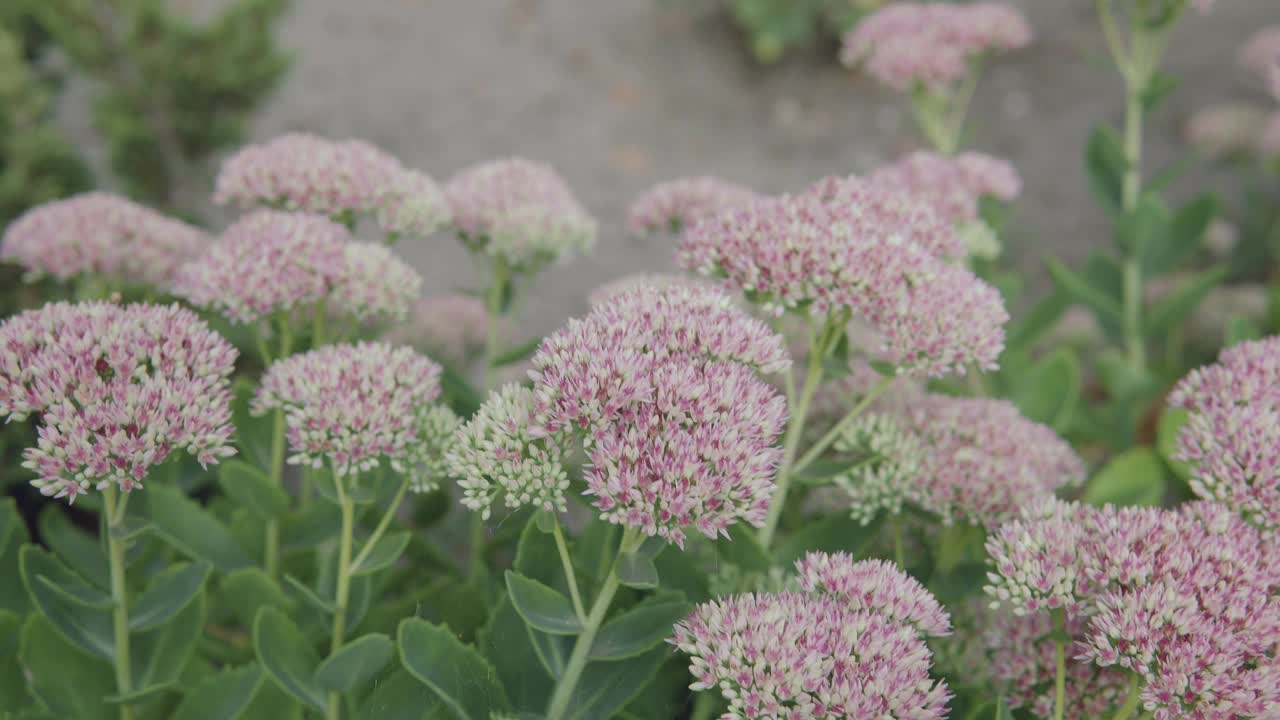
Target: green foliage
(774, 27)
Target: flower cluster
(1186, 599)
(268, 261)
(412, 204)
(625, 284)
(799, 252)
(375, 284)
(848, 647)
(354, 406)
(895, 206)
(660, 386)
(103, 234)
(118, 389)
(520, 211)
(1232, 439)
(676, 204)
(450, 327)
(953, 186)
(910, 44)
(884, 458)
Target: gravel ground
(619, 94)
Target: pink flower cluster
(676, 204)
(117, 388)
(896, 206)
(822, 653)
(1232, 439)
(910, 44)
(622, 285)
(660, 385)
(1188, 599)
(520, 211)
(353, 406)
(952, 185)
(341, 179)
(875, 586)
(102, 234)
(266, 262)
(375, 284)
(412, 204)
(450, 327)
(799, 252)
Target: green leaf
(1168, 428)
(1105, 163)
(13, 687)
(47, 581)
(1165, 316)
(192, 531)
(1025, 332)
(13, 534)
(310, 595)
(1002, 710)
(820, 472)
(222, 696)
(459, 394)
(834, 533)
(1183, 237)
(541, 606)
(399, 697)
(836, 363)
(253, 434)
(1159, 87)
(67, 682)
(1134, 477)
(388, 549)
(463, 680)
(545, 521)
(742, 548)
(606, 688)
(252, 489)
(637, 571)
(519, 353)
(247, 590)
(1050, 390)
(310, 526)
(1104, 306)
(168, 593)
(159, 656)
(81, 551)
(358, 662)
(1139, 228)
(287, 656)
(552, 651)
(1240, 329)
(638, 630)
(506, 642)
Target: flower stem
(494, 311)
(569, 576)
(318, 324)
(383, 524)
(1060, 674)
(1131, 190)
(825, 441)
(271, 559)
(704, 706)
(343, 589)
(1131, 700)
(899, 542)
(582, 647)
(791, 443)
(119, 596)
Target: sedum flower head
(886, 461)
(375, 285)
(1232, 439)
(953, 186)
(911, 44)
(676, 204)
(498, 454)
(268, 261)
(102, 234)
(1038, 559)
(801, 655)
(353, 406)
(625, 284)
(875, 586)
(412, 204)
(304, 172)
(427, 459)
(799, 252)
(118, 390)
(896, 209)
(520, 211)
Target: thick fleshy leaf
(13, 688)
(79, 550)
(160, 655)
(638, 630)
(358, 662)
(66, 681)
(834, 533)
(252, 489)
(462, 679)
(191, 530)
(247, 590)
(399, 696)
(86, 627)
(167, 594)
(222, 696)
(303, 529)
(13, 535)
(607, 687)
(1134, 477)
(552, 650)
(542, 607)
(1049, 391)
(637, 571)
(388, 549)
(287, 656)
(506, 642)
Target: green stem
(825, 441)
(119, 596)
(1060, 673)
(960, 110)
(318, 323)
(791, 443)
(899, 543)
(383, 524)
(1131, 700)
(493, 327)
(271, 560)
(567, 563)
(705, 706)
(582, 647)
(343, 590)
(1132, 188)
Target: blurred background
(145, 97)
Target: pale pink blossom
(675, 204)
(412, 204)
(375, 284)
(874, 586)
